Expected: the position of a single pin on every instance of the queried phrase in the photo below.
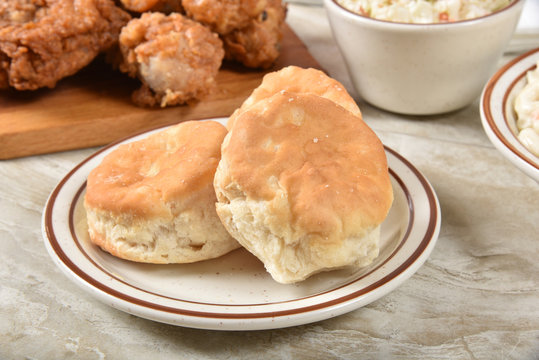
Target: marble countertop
(476, 297)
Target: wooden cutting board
(94, 106)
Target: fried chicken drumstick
(251, 30)
(257, 45)
(223, 16)
(43, 41)
(175, 58)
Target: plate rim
(140, 307)
(523, 160)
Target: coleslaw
(424, 11)
(527, 110)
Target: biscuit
(153, 201)
(299, 80)
(303, 184)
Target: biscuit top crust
(302, 81)
(326, 161)
(139, 178)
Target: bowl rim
(523, 159)
(440, 25)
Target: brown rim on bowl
(486, 104)
(428, 24)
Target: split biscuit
(303, 184)
(153, 200)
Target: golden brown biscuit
(302, 193)
(299, 80)
(153, 200)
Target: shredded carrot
(362, 11)
(443, 16)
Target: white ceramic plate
(234, 292)
(498, 114)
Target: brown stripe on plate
(111, 275)
(487, 99)
(117, 294)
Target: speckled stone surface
(476, 297)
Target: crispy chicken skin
(224, 16)
(257, 45)
(43, 41)
(176, 58)
(164, 6)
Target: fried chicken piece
(224, 16)
(257, 45)
(176, 58)
(164, 6)
(18, 12)
(43, 41)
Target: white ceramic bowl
(421, 69)
(498, 113)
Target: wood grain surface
(94, 106)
